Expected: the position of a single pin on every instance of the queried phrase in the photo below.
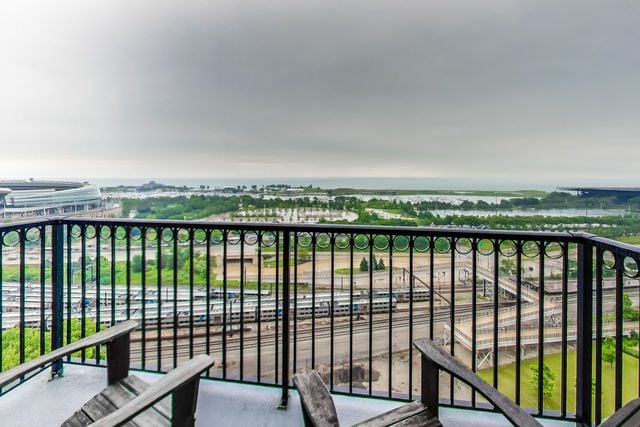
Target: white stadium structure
(35, 198)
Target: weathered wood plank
(102, 337)
(633, 420)
(174, 380)
(447, 363)
(137, 386)
(423, 419)
(78, 419)
(98, 406)
(317, 405)
(120, 395)
(406, 415)
(628, 415)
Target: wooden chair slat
(137, 386)
(402, 414)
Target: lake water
(368, 183)
(540, 212)
(373, 183)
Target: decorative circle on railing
(121, 233)
(151, 234)
(486, 247)
(464, 245)
(234, 237)
(11, 238)
(381, 242)
(400, 243)
(90, 232)
(361, 241)
(342, 241)
(32, 235)
(508, 248)
(268, 239)
(217, 236)
(630, 267)
(305, 240)
(75, 231)
(184, 235)
(421, 244)
(553, 250)
(135, 233)
(200, 236)
(442, 245)
(105, 231)
(608, 260)
(250, 237)
(167, 235)
(531, 249)
(323, 240)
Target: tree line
(412, 214)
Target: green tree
(629, 312)
(380, 265)
(548, 379)
(609, 351)
(136, 263)
(507, 266)
(364, 265)
(11, 343)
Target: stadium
(27, 198)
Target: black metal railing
(550, 319)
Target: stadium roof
(19, 185)
(634, 189)
(621, 193)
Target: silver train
(265, 312)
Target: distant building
(621, 193)
(37, 198)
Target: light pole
(441, 275)
(231, 316)
(245, 276)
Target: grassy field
(506, 382)
(632, 240)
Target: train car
(183, 313)
(404, 295)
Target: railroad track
(324, 331)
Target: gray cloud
(316, 88)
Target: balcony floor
(43, 403)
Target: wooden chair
(127, 399)
(435, 359)
(319, 410)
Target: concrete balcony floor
(39, 402)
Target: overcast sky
(276, 88)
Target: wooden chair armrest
(183, 376)
(102, 337)
(317, 405)
(629, 415)
(434, 355)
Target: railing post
(584, 333)
(57, 285)
(286, 254)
